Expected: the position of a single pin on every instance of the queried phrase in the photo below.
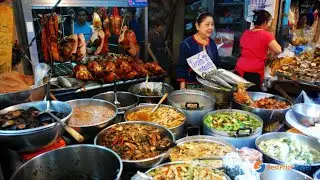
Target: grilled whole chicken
(81, 72)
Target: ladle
(160, 102)
(78, 137)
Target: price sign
(201, 63)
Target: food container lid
(191, 100)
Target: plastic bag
(227, 40)
(151, 89)
(41, 74)
(303, 98)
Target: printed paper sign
(201, 63)
(138, 3)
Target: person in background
(82, 26)
(157, 46)
(254, 45)
(134, 25)
(193, 45)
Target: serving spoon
(78, 137)
(160, 102)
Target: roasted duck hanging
(128, 42)
(116, 21)
(96, 42)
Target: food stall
(90, 132)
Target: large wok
(29, 140)
(267, 115)
(80, 162)
(33, 94)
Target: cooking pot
(239, 139)
(33, 94)
(81, 162)
(134, 89)
(29, 140)
(127, 101)
(178, 131)
(268, 115)
(90, 131)
(143, 163)
(195, 104)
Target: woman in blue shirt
(200, 41)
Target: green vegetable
(230, 122)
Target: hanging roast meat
(82, 49)
(128, 41)
(68, 47)
(116, 21)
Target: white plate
(304, 129)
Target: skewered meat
(95, 68)
(128, 41)
(82, 49)
(68, 47)
(81, 72)
(109, 66)
(109, 77)
(154, 68)
(116, 21)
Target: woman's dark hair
(261, 17)
(202, 16)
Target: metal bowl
(268, 174)
(29, 140)
(178, 131)
(182, 162)
(89, 131)
(33, 94)
(307, 114)
(238, 142)
(72, 162)
(127, 100)
(268, 115)
(313, 143)
(144, 163)
(316, 175)
(182, 98)
(202, 138)
(134, 89)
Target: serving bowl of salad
(288, 148)
(238, 127)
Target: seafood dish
(185, 171)
(199, 150)
(305, 67)
(135, 141)
(87, 115)
(242, 97)
(290, 151)
(225, 78)
(26, 119)
(230, 122)
(165, 116)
